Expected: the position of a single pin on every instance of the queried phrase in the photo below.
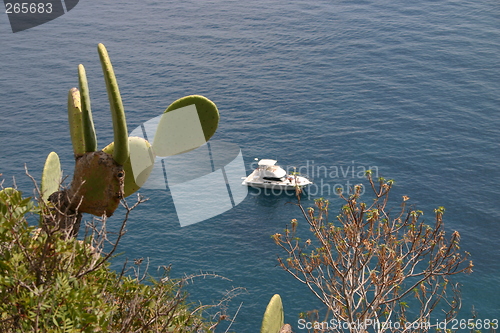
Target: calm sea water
(408, 89)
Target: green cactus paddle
(273, 318)
(87, 121)
(207, 112)
(51, 176)
(186, 124)
(121, 151)
(75, 122)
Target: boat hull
(275, 185)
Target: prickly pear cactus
(274, 317)
(98, 180)
(102, 178)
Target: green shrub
(51, 283)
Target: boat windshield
(276, 179)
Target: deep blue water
(408, 89)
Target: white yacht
(270, 175)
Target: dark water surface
(410, 90)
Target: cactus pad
(187, 124)
(121, 151)
(51, 176)
(75, 122)
(207, 112)
(87, 121)
(273, 318)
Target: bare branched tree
(376, 270)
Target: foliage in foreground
(53, 283)
(374, 267)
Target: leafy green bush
(52, 283)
